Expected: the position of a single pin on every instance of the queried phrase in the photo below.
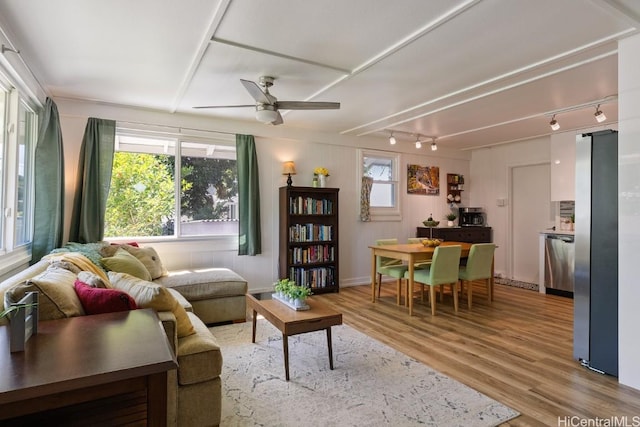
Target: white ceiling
(471, 73)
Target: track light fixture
(599, 115)
(554, 123)
(419, 138)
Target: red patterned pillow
(100, 300)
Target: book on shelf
(311, 254)
(310, 206)
(317, 277)
(310, 233)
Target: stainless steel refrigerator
(595, 324)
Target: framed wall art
(424, 180)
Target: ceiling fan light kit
(267, 105)
(266, 113)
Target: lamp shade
(288, 168)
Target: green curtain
(92, 184)
(249, 242)
(49, 185)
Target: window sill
(18, 258)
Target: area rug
(371, 384)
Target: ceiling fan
(267, 106)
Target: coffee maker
(471, 217)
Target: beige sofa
(215, 294)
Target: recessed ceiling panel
(334, 32)
(132, 53)
(217, 80)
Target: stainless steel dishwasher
(559, 257)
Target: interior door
(530, 214)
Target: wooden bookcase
(308, 247)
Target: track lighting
(434, 146)
(554, 123)
(418, 143)
(392, 139)
(599, 115)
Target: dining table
(411, 253)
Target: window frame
(178, 137)
(12, 253)
(393, 213)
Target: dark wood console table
(107, 368)
(457, 234)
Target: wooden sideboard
(106, 368)
(457, 234)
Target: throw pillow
(152, 295)
(97, 300)
(92, 279)
(124, 262)
(57, 297)
(149, 257)
(66, 265)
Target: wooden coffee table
(292, 322)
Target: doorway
(530, 214)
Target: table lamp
(289, 168)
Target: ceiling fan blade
(278, 120)
(255, 91)
(301, 105)
(224, 106)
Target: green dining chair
(442, 271)
(478, 267)
(390, 267)
(418, 240)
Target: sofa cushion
(149, 257)
(92, 279)
(199, 355)
(57, 298)
(152, 295)
(123, 262)
(99, 300)
(205, 283)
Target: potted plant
(282, 287)
(450, 218)
(299, 294)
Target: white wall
(490, 173)
(629, 210)
(275, 145)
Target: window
(147, 196)
(27, 134)
(18, 134)
(382, 167)
(3, 145)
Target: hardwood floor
(517, 350)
